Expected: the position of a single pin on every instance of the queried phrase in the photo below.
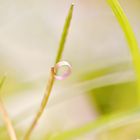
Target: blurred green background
(102, 81)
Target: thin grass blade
(130, 37)
(51, 77)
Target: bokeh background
(102, 80)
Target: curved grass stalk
(6, 118)
(101, 124)
(130, 37)
(7, 121)
(51, 77)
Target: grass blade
(102, 123)
(51, 78)
(5, 116)
(64, 34)
(2, 82)
(130, 37)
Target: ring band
(59, 65)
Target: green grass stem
(51, 77)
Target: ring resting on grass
(58, 66)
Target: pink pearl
(59, 65)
